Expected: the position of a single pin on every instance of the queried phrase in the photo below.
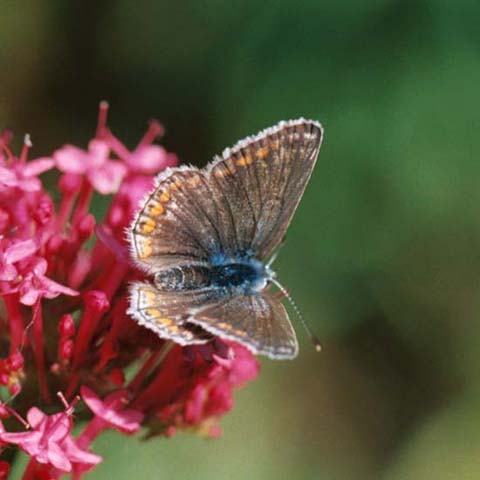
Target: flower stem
(29, 473)
(93, 429)
(14, 320)
(155, 130)
(158, 392)
(84, 200)
(102, 119)
(146, 368)
(38, 334)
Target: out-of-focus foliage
(384, 253)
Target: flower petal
(52, 289)
(7, 177)
(150, 159)
(71, 159)
(28, 441)
(35, 417)
(20, 250)
(106, 178)
(98, 151)
(112, 410)
(79, 457)
(7, 272)
(38, 166)
(30, 184)
(58, 457)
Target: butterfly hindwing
(165, 312)
(258, 321)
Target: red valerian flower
(103, 174)
(145, 158)
(34, 284)
(64, 278)
(180, 400)
(15, 252)
(49, 441)
(109, 413)
(19, 174)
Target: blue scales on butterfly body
(245, 275)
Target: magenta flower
(14, 253)
(109, 413)
(19, 174)
(198, 400)
(49, 441)
(103, 174)
(64, 279)
(35, 285)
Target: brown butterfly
(205, 236)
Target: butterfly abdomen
(183, 278)
(245, 276)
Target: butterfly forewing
(297, 155)
(243, 203)
(261, 181)
(178, 224)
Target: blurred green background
(383, 256)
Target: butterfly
(205, 237)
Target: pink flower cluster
(64, 279)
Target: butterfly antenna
(312, 336)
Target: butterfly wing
(166, 313)
(241, 204)
(259, 322)
(177, 223)
(262, 179)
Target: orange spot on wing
(164, 197)
(149, 296)
(156, 210)
(165, 321)
(239, 333)
(152, 312)
(147, 225)
(262, 152)
(244, 161)
(221, 172)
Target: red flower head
(64, 277)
